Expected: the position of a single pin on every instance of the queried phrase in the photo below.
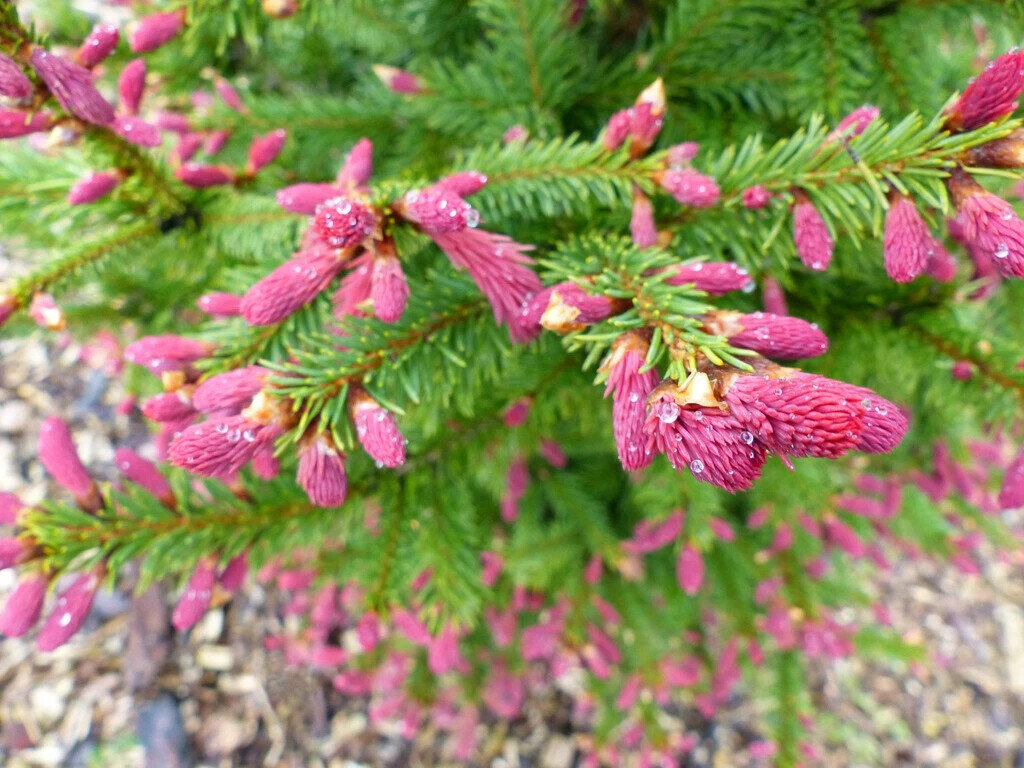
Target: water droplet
(748, 287)
(65, 619)
(698, 416)
(747, 437)
(345, 207)
(221, 428)
(1006, 215)
(778, 391)
(248, 436)
(866, 402)
(667, 411)
(881, 410)
(442, 205)
(381, 416)
(1001, 251)
(696, 466)
(472, 217)
(634, 396)
(234, 436)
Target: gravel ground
(129, 692)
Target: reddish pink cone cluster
(723, 429)
(689, 187)
(991, 96)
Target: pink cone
(810, 233)
(93, 187)
(70, 611)
(156, 30)
(23, 606)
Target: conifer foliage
(364, 264)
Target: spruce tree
(527, 339)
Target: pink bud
(464, 183)
(517, 413)
(186, 148)
(195, 600)
(689, 187)
(321, 471)
(344, 222)
(144, 473)
(100, 43)
(855, 123)
(293, 284)
(398, 80)
(992, 95)
(137, 131)
(617, 130)
(130, 85)
(722, 529)
(72, 86)
(221, 445)
(215, 142)
(376, 429)
(690, 569)
(14, 84)
(304, 198)
(22, 609)
(389, 290)
(176, 349)
(553, 453)
(1011, 494)
(358, 166)
(592, 571)
(774, 297)
(57, 453)
(810, 234)
(168, 406)
(228, 393)
(492, 565)
(443, 654)
(200, 176)
(234, 573)
(220, 304)
(641, 224)
(15, 123)
(680, 155)
(230, 96)
(756, 197)
(780, 336)
(70, 611)
(713, 277)
(156, 30)
(14, 551)
(410, 626)
(93, 187)
(368, 631)
(264, 149)
(46, 313)
(908, 242)
(10, 506)
(515, 133)
(173, 122)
